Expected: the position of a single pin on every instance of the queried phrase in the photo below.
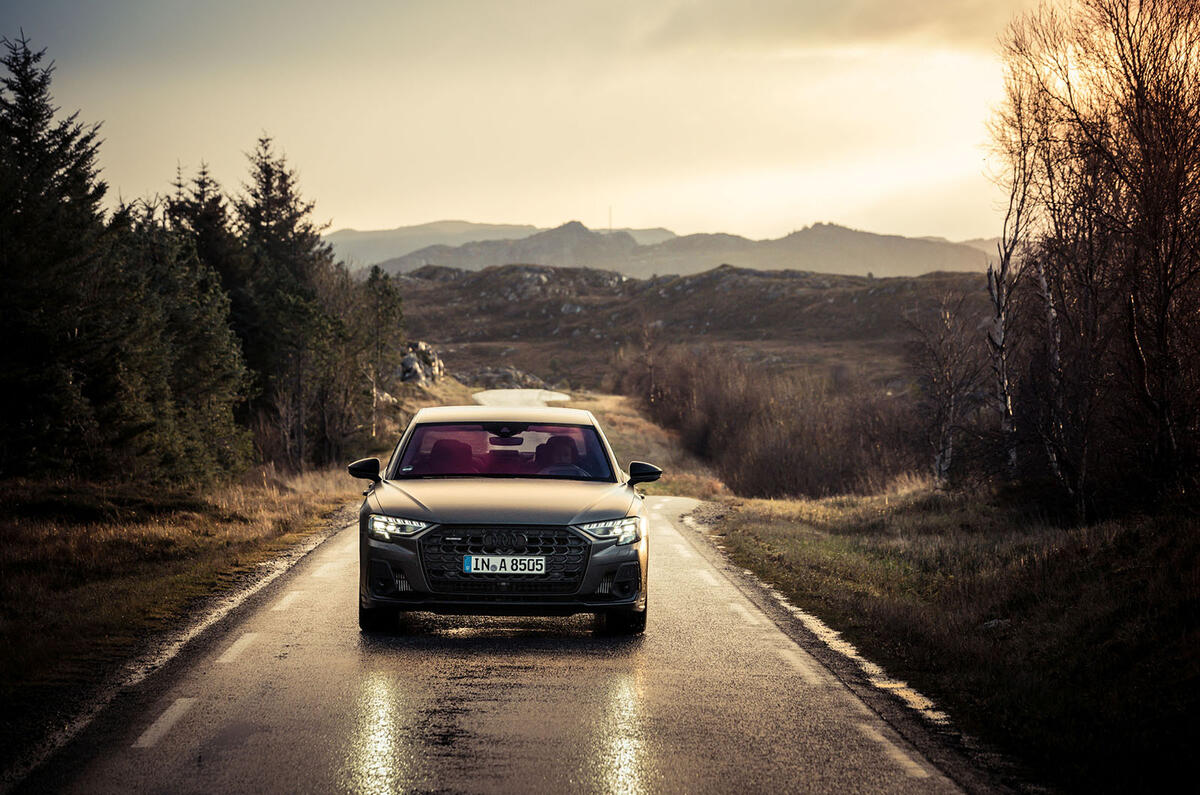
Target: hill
(375, 245)
(564, 324)
(368, 247)
(826, 248)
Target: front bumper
(410, 574)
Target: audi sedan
(503, 511)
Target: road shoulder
(970, 763)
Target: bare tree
(949, 366)
(1014, 131)
(1112, 88)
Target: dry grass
(86, 570)
(1074, 648)
(635, 438)
(777, 434)
(89, 572)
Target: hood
(501, 501)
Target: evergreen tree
(55, 281)
(200, 212)
(144, 344)
(118, 359)
(206, 377)
(287, 259)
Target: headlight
(385, 528)
(626, 531)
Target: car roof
(546, 414)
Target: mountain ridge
(821, 247)
(363, 247)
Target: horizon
(693, 116)
(614, 228)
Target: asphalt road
(287, 695)
(518, 397)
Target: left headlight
(626, 531)
(385, 528)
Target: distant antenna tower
(610, 219)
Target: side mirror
(641, 472)
(365, 468)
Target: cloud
(972, 24)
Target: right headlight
(386, 528)
(628, 530)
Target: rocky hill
(570, 245)
(825, 248)
(565, 324)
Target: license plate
(503, 564)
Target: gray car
(503, 511)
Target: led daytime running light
(385, 528)
(626, 531)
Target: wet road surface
(287, 695)
(519, 397)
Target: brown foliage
(775, 434)
(1102, 120)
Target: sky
(753, 117)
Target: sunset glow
(705, 116)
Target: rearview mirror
(641, 472)
(365, 468)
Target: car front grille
(565, 550)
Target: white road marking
(910, 767)
(165, 721)
(327, 569)
(801, 665)
(286, 602)
(683, 551)
(239, 645)
(706, 575)
(745, 614)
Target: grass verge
(89, 572)
(1075, 649)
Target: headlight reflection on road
(380, 757)
(624, 758)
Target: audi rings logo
(516, 541)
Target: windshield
(505, 449)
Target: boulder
(421, 364)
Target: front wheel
(376, 619)
(626, 622)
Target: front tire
(376, 619)
(626, 622)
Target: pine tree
(287, 260)
(52, 270)
(118, 360)
(207, 376)
(200, 212)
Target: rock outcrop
(421, 364)
(501, 378)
